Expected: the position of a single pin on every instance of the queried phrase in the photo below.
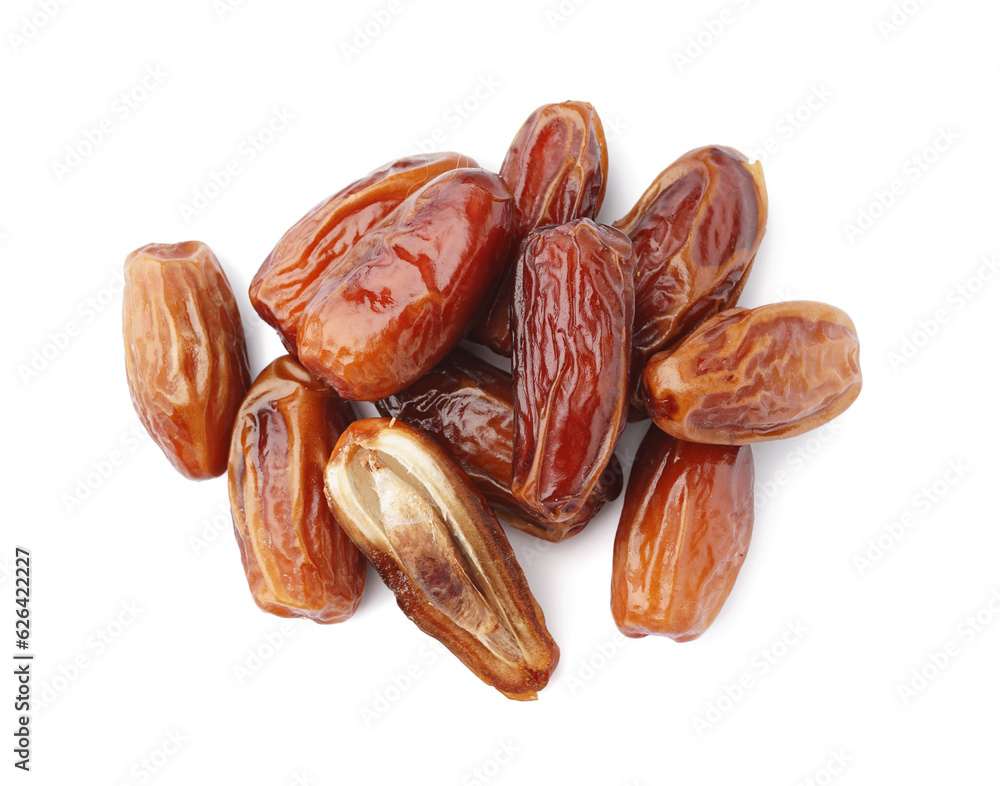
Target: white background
(152, 662)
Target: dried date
(416, 285)
(438, 546)
(185, 353)
(748, 375)
(315, 248)
(572, 328)
(298, 560)
(682, 537)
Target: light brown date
(467, 406)
(185, 353)
(695, 232)
(438, 546)
(572, 327)
(759, 374)
(682, 537)
(297, 559)
(417, 284)
(557, 170)
(315, 248)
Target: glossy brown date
(297, 559)
(316, 246)
(572, 327)
(557, 166)
(438, 546)
(185, 353)
(467, 406)
(417, 283)
(749, 375)
(682, 537)
(695, 232)
(557, 169)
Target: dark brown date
(557, 166)
(416, 285)
(467, 406)
(749, 375)
(316, 246)
(557, 169)
(572, 327)
(682, 537)
(298, 561)
(695, 232)
(438, 546)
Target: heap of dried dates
(372, 292)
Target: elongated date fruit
(298, 561)
(316, 246)
(573, 304)
(695, 232)
(416, 285)
(185, 353)
(557, 169)
(682, 537)
(467, 406)
(749, 375)
(557, 166)
(438, 546)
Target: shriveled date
(185, 353)
(557, 170)
(417, 283)
(467, 406)
(438, 546)
(682, 537)
(759, 374)
(298, 561)
(695, 232)
(557, 166)
(315, 248)
(573, 303)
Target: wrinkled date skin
(467, 406)
(316, 246)
(557, 169)
(695, 232)
(298, 561)
(417, 283)
(438, 546)
(557, 166)
(573, 305)
(682, 537)
(750, 375)
(185, 353)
